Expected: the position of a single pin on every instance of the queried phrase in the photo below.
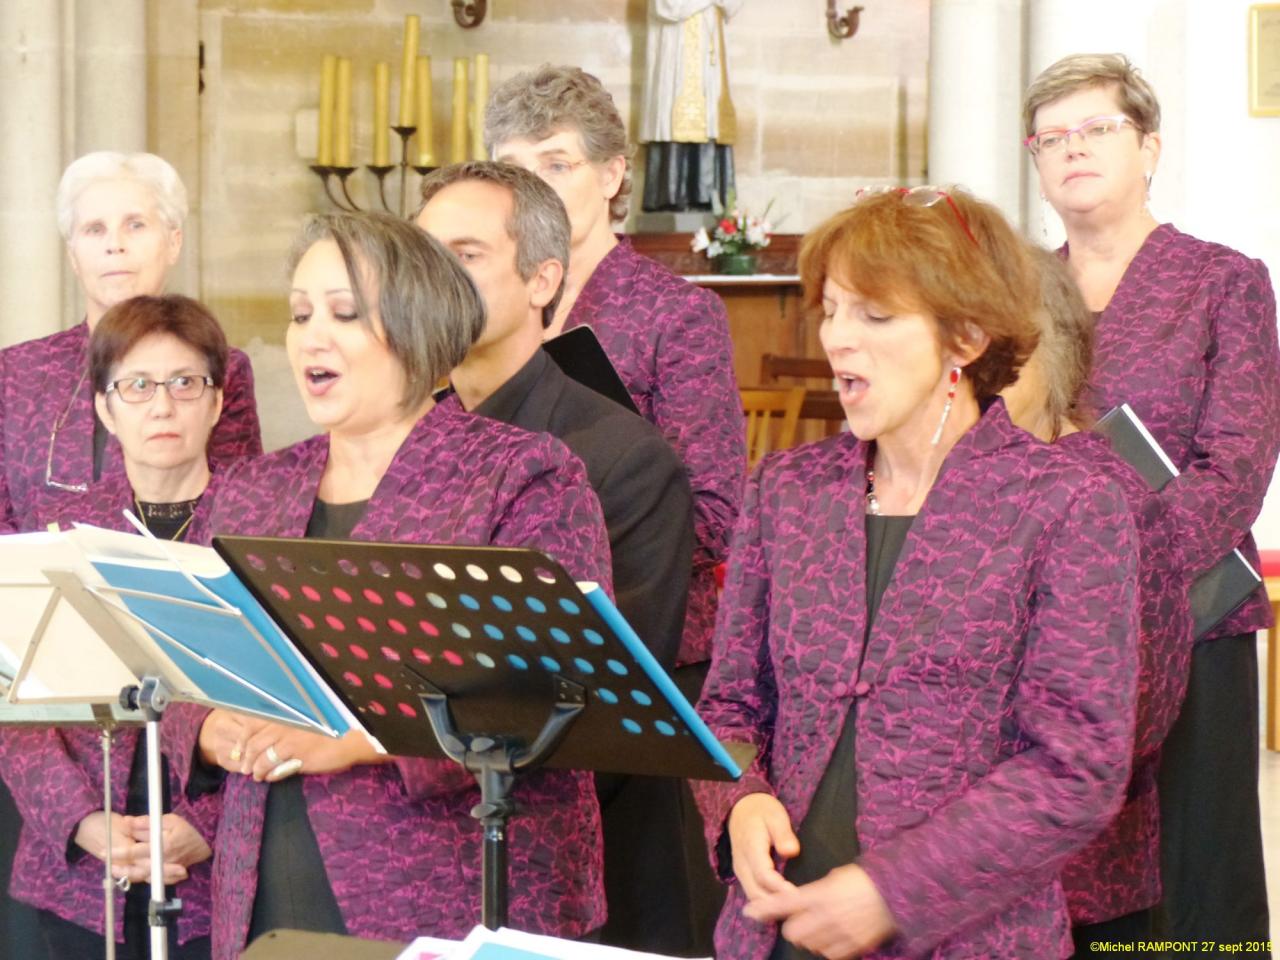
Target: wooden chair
(820, 403)
(773, 366)
(766, 407)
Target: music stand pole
(495, 761)
(151, 698)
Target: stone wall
(817, 117)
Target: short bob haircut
(1081, 71)
(914, 258)
(1065, 352)
(538, 223)
(430, 309)
(154, 173)
(539, 103)
(130, 321)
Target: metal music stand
(148, 697)
(496, 651)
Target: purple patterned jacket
(1119, 871)
(670, 342)
(37, 380)
(995, 703)
(55, 773)
(402, 851)
(1189, 341)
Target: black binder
(1225, 586)
(578, 354)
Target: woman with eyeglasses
(328, 835)
(1186, 335)
(928, 625)
(121, 217)
(157, 366)
(1114, 882)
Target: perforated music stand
(496, 650)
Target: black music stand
(510, 665)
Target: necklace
(164, 515)
(873, 505)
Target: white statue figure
(688, 119)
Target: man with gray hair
(511, 232)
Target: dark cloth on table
(648, 512)
(828, 834)
(1215, 886)
(687, 176)
(293, 888)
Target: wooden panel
(765, 316)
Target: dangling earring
(1044, 220)
(946, 410)
(1148, 188)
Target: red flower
(728, 226)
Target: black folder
(578, 354)
(1226, 585)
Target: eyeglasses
(925, 196)
(185, 386)
(553, 169)
(49, 481)
(1054, 141)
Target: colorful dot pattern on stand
(466, 621)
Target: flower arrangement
(736, 232)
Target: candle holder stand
(342, 198)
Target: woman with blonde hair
(1186, 335)
(1113, 884)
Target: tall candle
(482, 99)
(407, 67)
(324, 137)
(458, 141)
(381, 114)
(342, 116)
(426, 134)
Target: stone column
(111, 75)
(975, 86)
(31, 161)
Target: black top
(335, 521)
(640, 481)
(828, 834)
(167, 521)
(293, 888)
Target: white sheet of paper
(553, 947)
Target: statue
(688, 120)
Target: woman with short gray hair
(121, 217)
(358, 842)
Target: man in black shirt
(511, 232)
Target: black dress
(828, 835)
(293, 887)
